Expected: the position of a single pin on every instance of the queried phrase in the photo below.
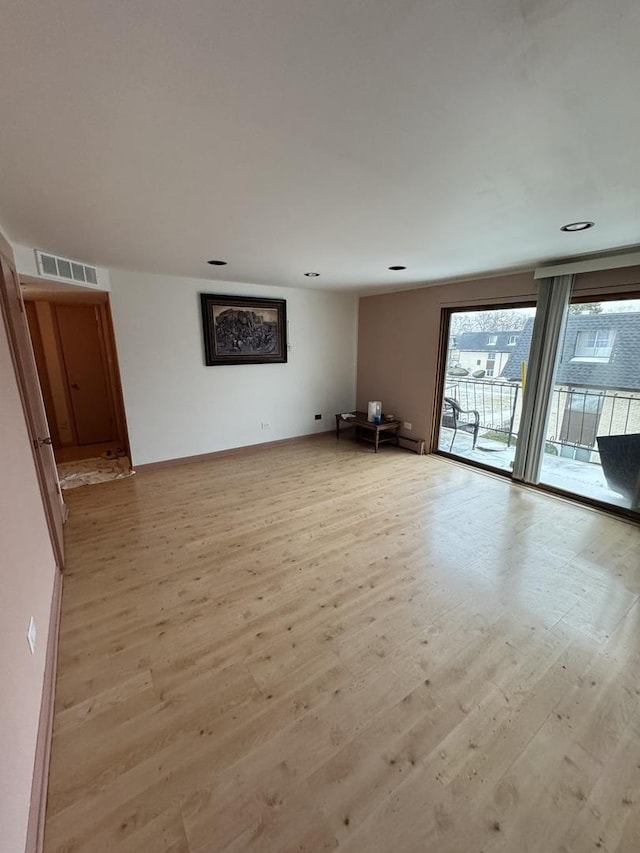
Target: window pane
(483, 387)
(594, 344)
(593, 435)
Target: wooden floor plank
(313, 647)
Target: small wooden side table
(377, 434)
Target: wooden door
(27, 375)
(43, 375)
(84, 359)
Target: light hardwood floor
(312, 647)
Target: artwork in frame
(243, 329)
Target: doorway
(483, 383)
(74, 348)
(548, 394)
(12, 315)
(592, 446)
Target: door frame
(555, 313)
(446, 312)
(31, 399)
(99, 300)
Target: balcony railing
(498, 403)
(576, 418)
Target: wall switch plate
(318, 417)
(31, 635)
(407, 425)
(265, 425)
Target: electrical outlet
(407, 425)
(31, 635)
(318, 417)
(265, 426)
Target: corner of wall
(27, 593)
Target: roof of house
(479, 341)
(621, 371)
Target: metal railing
(497, 403)
(577, 416)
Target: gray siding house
(597, 381)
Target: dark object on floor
(113, 454)
(620, 458)
(455, 417)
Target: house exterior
(482, 351)
(597, 389)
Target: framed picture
(243, 329)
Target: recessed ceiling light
(217, 263)
(397, 268)
(578, 226)
(312, 274)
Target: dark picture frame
(243, 329)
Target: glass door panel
(486, 362)
(592, 446)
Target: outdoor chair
(456, 418)
(620, 458)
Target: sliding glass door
(592, 444)
(486, 366)
(549, 394)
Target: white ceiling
(338, 136)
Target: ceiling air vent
(51, 266)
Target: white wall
(176, 406)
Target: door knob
(39, 442)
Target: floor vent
(51, 266)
